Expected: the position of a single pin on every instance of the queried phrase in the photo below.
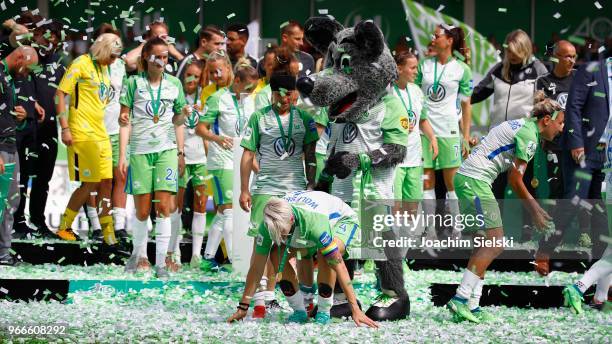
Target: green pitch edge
(136, 285)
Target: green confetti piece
(182, 27)
(577, 40)
(583, 175)
(197, 28)
(150, 9)
(90, 12)
(59, 261)
(284, 24)
(504, 294)
(231, 15)
(155, 201)
(599, 94)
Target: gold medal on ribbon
(535, 182)
(155, 119)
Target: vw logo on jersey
(279, 147)
(149, 108)
(412, 118)
(438, 95)
(562, 99)
(349, 133)
(192, 120)
(111, 92)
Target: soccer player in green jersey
(508, 147)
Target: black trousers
(44, 164)
(28, 151)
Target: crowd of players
(161, 126)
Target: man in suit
(583, 154)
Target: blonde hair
(544, 106)
(218, 56)
(277, 218)
(105, 45)
(519, 43)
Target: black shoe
(96, 235)
(9, 260)
(22, 231)
(389, 308)
(122, 236)
(43, 231)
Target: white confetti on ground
(177, 313)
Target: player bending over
(508, 147)
(300, 224)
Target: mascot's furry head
(359, 67)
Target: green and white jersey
(321, 118)
(454, 82)
(385, 122)
(316, 213)
(148, 136)
(495, 154)
(111, 112)
(228, 117)
(414, 100)
(262, 135)
(194, 144)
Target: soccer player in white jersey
(508, 147)
(408, 175)
(601, 271)
(226, 114)
(280, 134)
(152, 116)
(195, 173)
(444, 78)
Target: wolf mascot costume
(369, 133)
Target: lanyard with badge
(411, 114)
(155, 103)
(103, 89)
(286, 140)
(192, 120)
(240, 119)
(437, 78)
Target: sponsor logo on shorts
(438, 95)
(325, 239)
(86, 173)
(349, 133)
(259, 240)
